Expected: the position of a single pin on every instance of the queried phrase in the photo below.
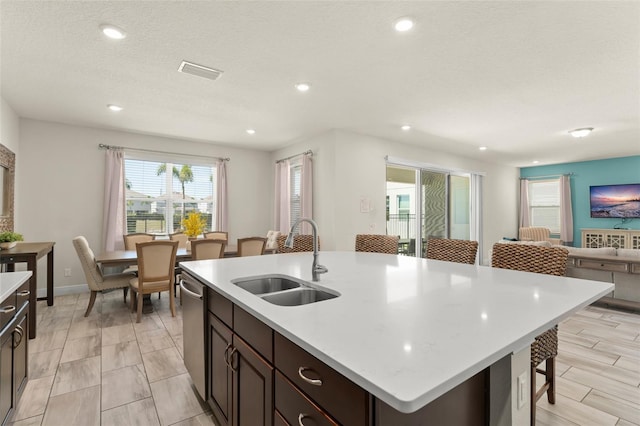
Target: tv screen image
(615, 201)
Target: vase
(6, 246)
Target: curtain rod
(308, 152)
(548, 176)
(103, 146)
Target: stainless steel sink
(299, 296)
(284, 290)
(267, 283)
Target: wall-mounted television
(615, 201)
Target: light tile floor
(108, 370)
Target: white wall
(349, 166)
(60, 186)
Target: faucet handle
(321, 269)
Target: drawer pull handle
(301, 418)
(24, 293)
(20, 332)
(315, 382)
(7, 309)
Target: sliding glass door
(424, 203)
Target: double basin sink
(284, 290)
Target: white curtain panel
(524, 203)
(282, 205)
(566, 212)
(114, 219)
(306, 192)
(222, 205)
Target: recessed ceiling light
(535, 161)
(113, 32)
(251, 131)
(303, 87)
(403, 24)
(581, 133)
(483, 148)
(114, 108)
(406, 127)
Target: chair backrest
(450, 250)
(130, 240)
(217, 235)
(534, 233)
(377, 243)
(529, 258)
(207, 249)
(88, 262)
(301, 242)
(181, 238)
(272, 239)
(156, 262)
(252, 246)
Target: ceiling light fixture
(406, 127)
(403, 24)
(535, 161)
(303, 87)
(483, 148)
(251, 131)
(113, 32)
(114, 108)
(581, 133)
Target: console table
(617, 238)
(29, 253)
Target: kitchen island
(406, 331)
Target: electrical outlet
(522, 390)
(67, 272)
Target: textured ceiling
(512, 76)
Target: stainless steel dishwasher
(193, 317)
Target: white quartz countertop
(10, 281)
(405, 329)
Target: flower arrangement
(194, 224)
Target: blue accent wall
(611, 171)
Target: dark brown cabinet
(13, 360)
(240, 379)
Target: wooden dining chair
(130, 241)
(181, 238)
(156, 266)
(252, 246)
(207, 249)
(302, 242)
(96, 281)
(377, 243)
(217, 235)
(451, 250)
(542, 260)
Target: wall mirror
(7, 178)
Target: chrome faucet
(316, 269)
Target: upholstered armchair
(537, 233)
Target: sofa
(618, 266)
(537, 233)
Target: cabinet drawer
(22, 295)
(9, 305)
(341, 398)
(221, 307)
(296, 408)
(603, 265)
(253, 331)
(635, 268)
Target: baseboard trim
(63, 291)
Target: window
(544, 204)
(295, 176)
(403, 204)
(160, 194)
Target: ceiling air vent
(199, 70)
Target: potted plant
(9, 239)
